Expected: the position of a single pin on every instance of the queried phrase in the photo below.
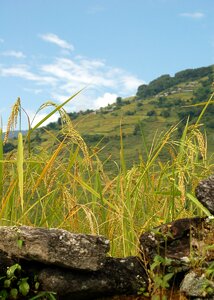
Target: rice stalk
(7, 201)
(1, 163)
(47, 166)
(67, 126)
(154, 155)
(76, 138)
(20, 169)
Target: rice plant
(63, 184)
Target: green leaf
(37, 284)
(168, 276)
(20, 243)
(14, 293)
(12, 269)
(24, 287)
(198, 204)
(7, 283)
(3, 294)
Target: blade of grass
(183, 137)
(204, 109)
(198, 204)
(53, 111)
(26, 213)
(20, 170)
(122, 158)
(143, 136)
(91, 190)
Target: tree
(162, 101)
(119, 101)
(8, 147)
(202, 94)
(156, 86)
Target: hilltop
(139, 119)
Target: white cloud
(79, 73)
(84, 100)
(22, 72)
(95, 73)
(17, 54)
(194, 15)
(63, 77)
(104, 100)
(131, 83)
(53, 38)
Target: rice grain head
(12, 121)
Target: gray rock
(171, 240)
(205, 193)
(194, 285)
(54, 246)
(117, 277)
(180, 241)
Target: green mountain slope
(140, 119)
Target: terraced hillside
(142, 119)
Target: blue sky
(49, 49)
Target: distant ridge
(166, 81)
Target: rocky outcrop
(54, 247)
(197, 285)
(188, 244)
(170, 240)
(117, 277)
(179, 240)
(205, 193)
(75, 266)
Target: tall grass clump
(64, 184)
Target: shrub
(165, 114)
(151, 113)
(129, 113)
(139, 104)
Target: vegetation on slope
(144, 116)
